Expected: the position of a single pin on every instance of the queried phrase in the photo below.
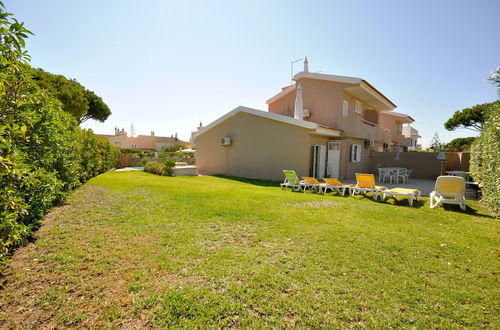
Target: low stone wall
(423, 164)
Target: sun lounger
(291, 181)
(448, 190)
(335, 185)
(366, 183)
(409, 193)
(310, 183)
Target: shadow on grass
(404, 202)
(468, 210)
(256, 182)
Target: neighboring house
(392, 122)
(322, 126)
(145, 142)
(411, 135)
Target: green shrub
(485, 160)
(155, 168)
(44, 154)
(166, 168)
(169, 165)
(186, 157)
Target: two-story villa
(322, 126)
(411, 135)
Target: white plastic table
(463, 174)
(383, 169)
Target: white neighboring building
(411, 135)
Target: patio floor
(425, 186)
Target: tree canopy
(97, 110)
(495, 79)
(460, 144)
(471, 118)
(83, 104)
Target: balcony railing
(369, 123)
(363, 129)
(399, 139)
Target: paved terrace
(425, 186)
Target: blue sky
(167, 65)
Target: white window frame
(134, 146)
(355, 153)
(345, 109)
(358, 107)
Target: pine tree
(436, 143)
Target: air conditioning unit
(369, 143)
(225, 141)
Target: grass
(131, 249)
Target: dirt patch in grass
(316, 204)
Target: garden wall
(424, 164)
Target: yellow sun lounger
(409, 193)
(310, 183)
(335, 185)
(448, 190)
(366, 183)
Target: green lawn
(131, 249)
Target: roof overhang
(327, 77)
(327, 131)
(401, 117)
(285, 91)
(315, 128)
(369, 94)
(361, 89)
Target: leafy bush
(186, 157)
(43, 152)
(485, 160)
(166, 168)
(141, 153)
(175, 147)
(155, 168)
(169, 165)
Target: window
(355, 153)
(345, 109)
(399, 128)
(358, 107)
(134, 146)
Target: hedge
(44, 154)
(485, 160)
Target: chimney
(306, 65)
(299, 106)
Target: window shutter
(345, 109)
(358, 108)
(355, 153)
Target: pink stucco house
(321, 125)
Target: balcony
(363, 129)
(399, 139)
